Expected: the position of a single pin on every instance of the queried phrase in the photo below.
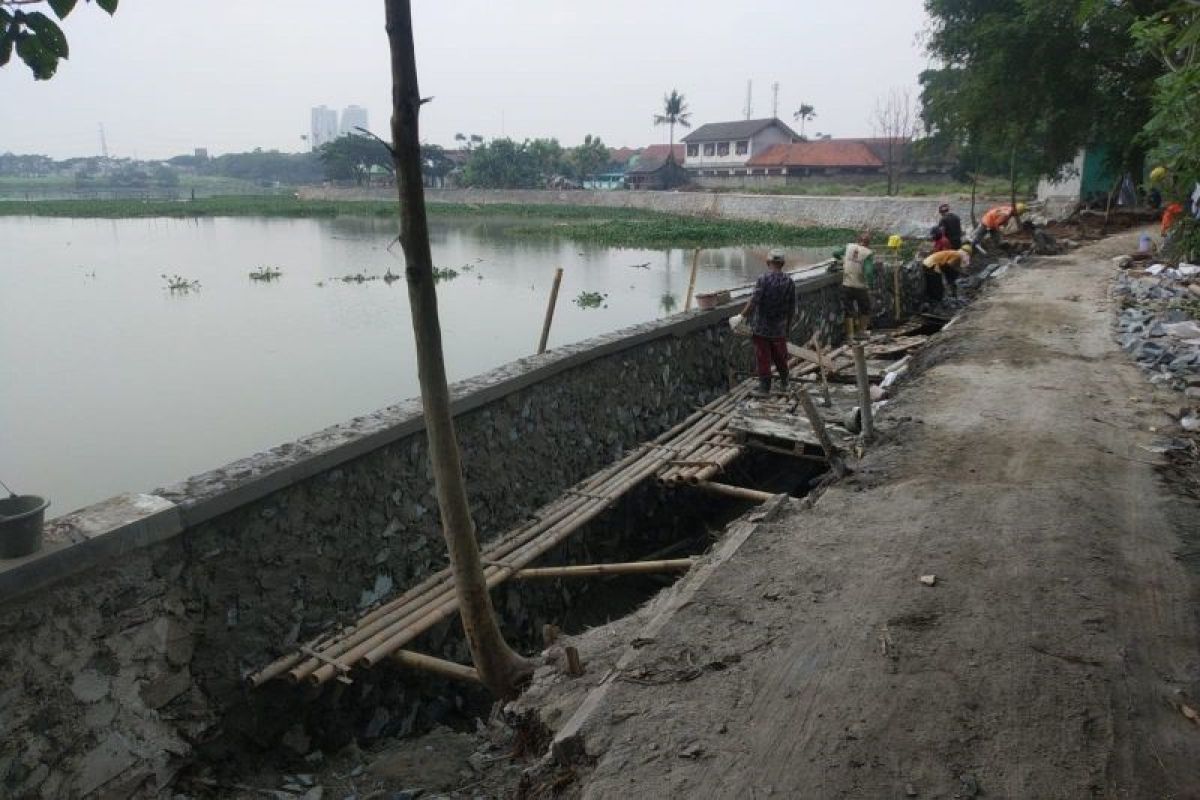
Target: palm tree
(675, 112)
(805, 113)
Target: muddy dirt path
(1056, 651)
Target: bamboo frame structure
(438, 666)
(693, 452)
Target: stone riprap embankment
(128, 637)
(911, 216)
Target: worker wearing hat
(951, 225)
(995, 219)
(773, 305)
(858, 273)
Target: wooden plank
(811, 357)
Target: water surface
(112, 383)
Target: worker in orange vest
(995, 219)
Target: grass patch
(667, 230)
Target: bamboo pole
(864, 393)
(739, 492)
(550, 310)
(687, 304)
(438, 666)
(590, 570)
(818, 426)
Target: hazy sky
(166, 76)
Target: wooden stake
(896, 291)
(826, 399)
(735, 491)
(687, 304)
(818, 426)
(590, 570)
(438, 666)
(864, 393)
(550, 310)
(574, 664)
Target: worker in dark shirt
(773, 305)
(951, 225)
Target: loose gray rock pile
(1157, 323)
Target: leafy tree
(506, 164)
(500, 668)
(588, 158)
(435, 164)
(37, 38)
(351, 157)
(675, 112)
(804, 114)
(1036, 81)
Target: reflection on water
(112, 383)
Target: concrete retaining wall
(905, 215)
(126, 640)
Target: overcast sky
(166, 76)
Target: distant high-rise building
(353, 117)
(324, 126)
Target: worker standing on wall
(858, 273)
(773, 305)
(995, 219)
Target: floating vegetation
(390, 277)
(358, 277)
(591, 300)
(444, 274)
(265, 274)
(668, 302)
(180, 284)
(320, 284)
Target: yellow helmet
(966, 248)
(1021, 208)
(1158, 173)
(895, 241)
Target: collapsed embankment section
(128, 637)
(905, 215)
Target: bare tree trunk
(1012, 179)
(500, 669)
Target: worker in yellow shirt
(995, 219)
(948, 265)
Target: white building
(324, 126)
(353, 117)
(723, 148)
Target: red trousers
(768, 349)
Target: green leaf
(108, 5)
(49, 34)
(6, 48)
(62, 7)
(41, 61)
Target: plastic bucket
(21, 518)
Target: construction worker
(950, 223)
(995, 219)
(773, 305)
(858, 273)
(948, 265)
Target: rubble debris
(929, 580)
(1157, 323)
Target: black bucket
(21, 518)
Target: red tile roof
(816, 154)
(621, 155)
(652, 158)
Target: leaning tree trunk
(501, 669)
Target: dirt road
(1054, 655)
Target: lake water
(112, 383)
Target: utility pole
(775, 99)
(749, 98)
(103, 142)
